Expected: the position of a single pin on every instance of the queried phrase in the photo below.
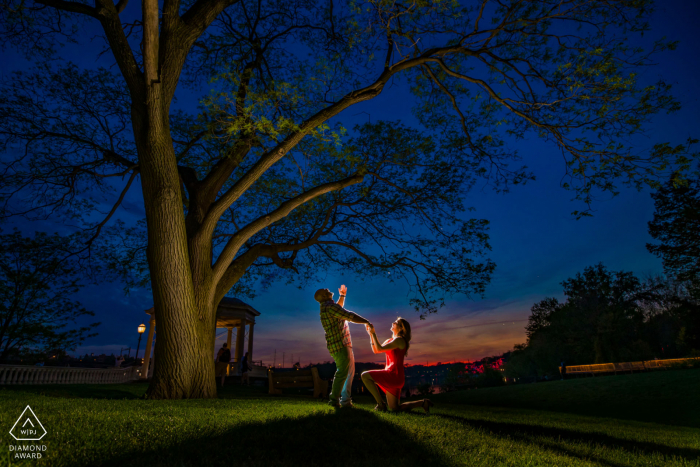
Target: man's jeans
(345, 370)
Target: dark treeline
(609, 316)
(484, 373)
(39, 279)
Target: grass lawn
(627, 420)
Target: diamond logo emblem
(28, 427)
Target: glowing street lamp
(141, 329)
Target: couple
(334, 318)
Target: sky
(536, 243)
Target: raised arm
(342, 292)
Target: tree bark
(180, 272)
(183, 307)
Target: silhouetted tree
(672, 317)
(425, 389)
(38, 277)
(489, 377)
(601, 319)
(455, 375)
(521, 365)
(676, 226)
(541, 315)
(605, 318)
(264, 180)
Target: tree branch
(237, 241)
(99, 226)
(275, 154)
(121, 5)
(109, 18)
(73, 7)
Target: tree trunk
(184, 351)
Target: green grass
(631, 420)
(669, 397)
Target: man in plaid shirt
(334, 319)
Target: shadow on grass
(237, 391)
(80, 391)
(130, 391)
(342, 438)
(550, 438)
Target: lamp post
(141, 329)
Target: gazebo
(234, 313)
(231, 313)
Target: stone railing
(257, 371)
(17, 374)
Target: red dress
(391, 379)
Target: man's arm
(358, 319)
(342, 292)
(339, 312)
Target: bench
(298, 379)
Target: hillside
(670, 397)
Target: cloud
(462, 330)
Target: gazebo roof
(232, 311)
(234, 303)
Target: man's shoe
(333, 403)
(347, 405)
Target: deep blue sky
(536, 242)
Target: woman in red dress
(391, 379)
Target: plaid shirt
(333, 319)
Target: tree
(545, 345)
(521, 365)
(425, 389)
(602, 320)
(676, 226)
(672, 316)
(455, 375)
(541, 315)
(489, 377)
(38, 276)
(608, 317)
(265, 175)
